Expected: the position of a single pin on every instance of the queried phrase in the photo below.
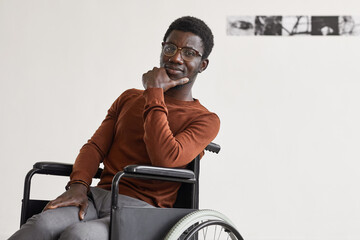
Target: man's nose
(177, 58)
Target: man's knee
(45, 225)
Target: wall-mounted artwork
(293, 25)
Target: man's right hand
(158, 78)
(75, 196)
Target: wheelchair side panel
(145, 223)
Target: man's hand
(158, 78)
(75, 196)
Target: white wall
(290, 131)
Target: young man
(162, 125)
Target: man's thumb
(182, 81)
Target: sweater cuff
(154, 100)
(154, 96)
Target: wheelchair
(182, 222)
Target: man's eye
(169, 49)
(190, 53)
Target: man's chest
(131, 121)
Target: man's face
(175, 66)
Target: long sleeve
(169, 149)
(95, 150)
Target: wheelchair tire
(206, 223)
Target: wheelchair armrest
(149, 172)
(48, 168)
(53, 168)
(59, 169)
(160, 171)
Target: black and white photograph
(324, 25)
(268, 25)
(349, 25)
(287, 25)
(241, 25)
(296, 25)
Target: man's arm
(163, 147)
(169, 150)
(87, 163)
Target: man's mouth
(173, 70)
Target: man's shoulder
(128, 94)
(211, 116)
(203, 116)
(125, 97)
(204, 109)
(132, 91)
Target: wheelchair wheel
(204, 224)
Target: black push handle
(213, 147)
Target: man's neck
(182, 93)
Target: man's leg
(102, 201)
(98, 229)
(50, 224)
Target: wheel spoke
(205, 230)
(220, 233)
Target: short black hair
(195, 26)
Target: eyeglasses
(187, 54)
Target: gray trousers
(63, 223)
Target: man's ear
(204, 65)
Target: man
(160, 126)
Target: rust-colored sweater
(148, 128)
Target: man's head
(187, 44)
(197, 27)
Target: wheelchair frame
(188, 176)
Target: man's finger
(83, 210)
(51, 206)
(48, 206)
(58, 204)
